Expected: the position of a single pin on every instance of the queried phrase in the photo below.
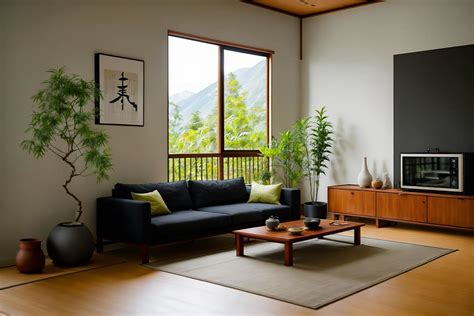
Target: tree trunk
(65, 186)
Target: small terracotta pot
(377, 184)
(30, 258)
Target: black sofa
(198, 209)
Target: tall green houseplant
(318, 147)
(61, 125)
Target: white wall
(348, 67)
(44, 34)
(2, 110)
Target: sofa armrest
(292, 198)
(123, 220)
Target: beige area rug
(324, 271)
(10, 277)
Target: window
(245, 101)
(218, 98)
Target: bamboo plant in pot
(61, 125)
(317, 144)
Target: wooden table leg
(239, 245)
(357, 236)
(288, 254)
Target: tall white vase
(364, 178)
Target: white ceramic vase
(364, 178)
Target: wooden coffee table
(288, 240)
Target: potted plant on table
(61, 125)
(317, 146)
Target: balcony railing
(216, 166)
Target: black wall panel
(433, 102)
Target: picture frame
(122, 82)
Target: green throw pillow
(157, 204)
(265, 193)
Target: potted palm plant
(61, 125)
(317, 146)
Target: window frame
(221, 152)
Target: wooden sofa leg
(100, 244)
(145, 253)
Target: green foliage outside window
(244, 126)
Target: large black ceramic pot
(70, 244)
(316, 210)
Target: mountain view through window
(194, 98)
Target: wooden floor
(442, 287)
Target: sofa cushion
(157, 205)
(282, 211)
(261, 193)
(188, 222)
(210, 192)
(242, 213)
(175, 194)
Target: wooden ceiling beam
(270, 8)
(342, 8)
(283, 11)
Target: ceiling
(306, 8)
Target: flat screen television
(438, 172)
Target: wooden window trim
(220, 43)
(221, 151)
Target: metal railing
(216, 166)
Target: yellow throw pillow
(265, 193)
(157, 204)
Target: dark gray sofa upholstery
(198, 208)
(189, 221)
(241, 213)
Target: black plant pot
(70, 244)
(316, 210)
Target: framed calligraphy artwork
(121, 81)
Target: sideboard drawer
(351, 202)
(451, 211)
(402, 206)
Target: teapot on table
(272, 222)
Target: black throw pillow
(175, 194)
(211, 192)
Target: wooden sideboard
(454, 211)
